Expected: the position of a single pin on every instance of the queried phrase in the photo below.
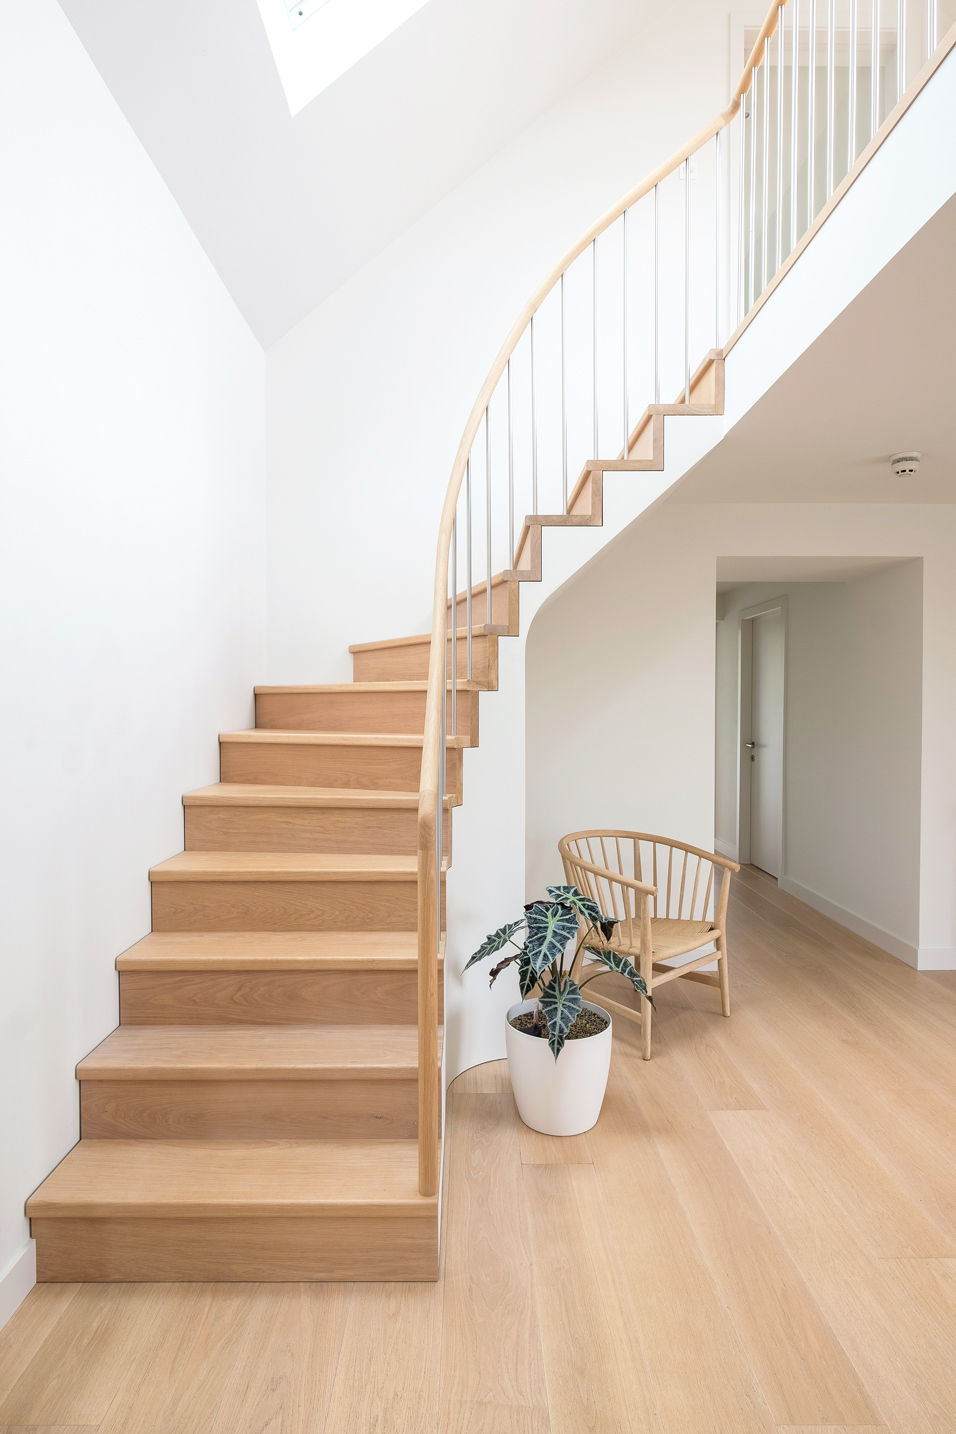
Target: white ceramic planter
(563, 1096)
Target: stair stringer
(860, 235)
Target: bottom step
(166, 1210)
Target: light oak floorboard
(758, 1237)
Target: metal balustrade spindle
(657, 294)
(717, 179)
(932, 27)
(875, 70)
(594, 345)
(468, 621)
(851, 88)
(765, 168)
(742, 165)
(564, 402)
(794, 117)
(831, 74)
(778, 227)
(511, 477)
(900, 48)
(753, 192)
(687, 280)
(627, 431)
(488, 518)
(534, 433)
(454, 626)
(812, 115)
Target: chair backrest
(618, 868)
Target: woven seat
(661, 893)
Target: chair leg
(647, 1011)
(723, 974)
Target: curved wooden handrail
(428, 933)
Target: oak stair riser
(402, 710)
(408, 661)
(504, 606)
(303, 764)
(249, 1109)
(305, 829)
(275, 1248)
(284, 905)
(250, 998)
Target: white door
(765, 745)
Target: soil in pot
(588, 1023)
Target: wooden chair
(661, 892)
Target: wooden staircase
(254, 1116)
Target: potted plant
(558, 1098)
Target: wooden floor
(759, 1234)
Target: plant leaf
(502, 966)
(495, 942)
(571, 896)
(551, 925)
(527, 976)
(614, 961)
(560, 1002)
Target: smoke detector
(905, 465)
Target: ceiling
(288, 208)
(880, 380)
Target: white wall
(853, 745)
(368, 396)
(132, 431)
(630, 739)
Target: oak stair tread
(326, 1052)
(415, 638)
(205, 1179)
(259, 794)
(266, 736)
(284, 866)
(273, 951)
(418, 685)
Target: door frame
(744, 708)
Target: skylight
(315, 41)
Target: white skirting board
(17, 1280)
(893, 945)
(937, 958)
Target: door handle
(750, 744)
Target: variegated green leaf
(571, 896)
(551, 925)
(614, 961)
(527, 976)
(497, 941)
(561, 1003)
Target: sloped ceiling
(878, 381)
(288, 208)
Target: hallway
(759, 1234)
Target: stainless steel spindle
(812, 115)
(742, 168)
(687, 280)
(900, 48)
(932, 26)
(564, 404)
(534, 432)
(511, 477)
(468, 621)
(488, 519)
(753, 193)
(594, 343)
(851, 95)
(627, 431)
(454, 625)
(875, 70)
(778, 227)
(794, 117)
(657, 294)
(717, 239)
(831, 73)
(765, 167)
